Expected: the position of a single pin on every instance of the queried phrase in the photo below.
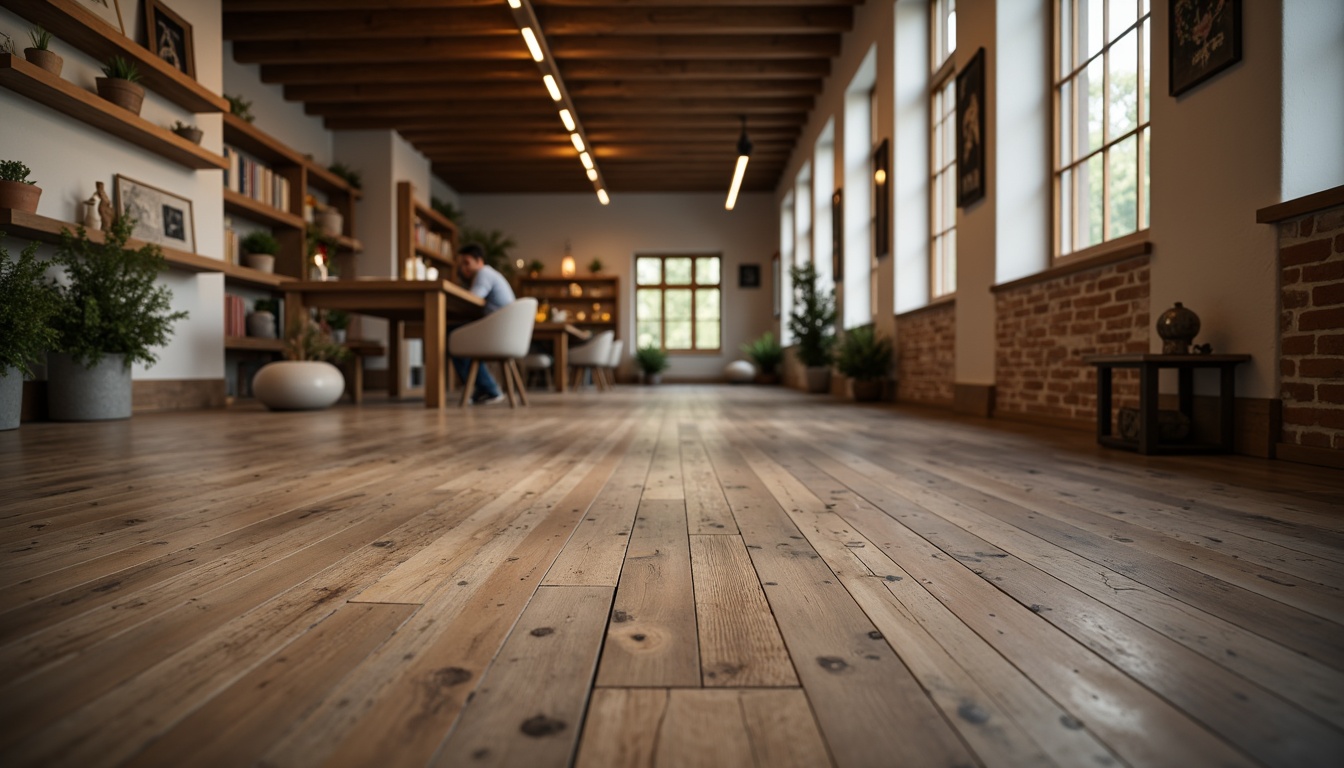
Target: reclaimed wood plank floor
(680, 576)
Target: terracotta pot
(867, 390)
(190, 133)
(44, 59)
(818, 379)
(19, 196)
(123, 93)
(262, 262)
(331, 222)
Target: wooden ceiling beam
(354, 52)
(483, 73)
(565, 47)
(593, 122)
(677, 69)
(708, 154)
(371, 24)
(486, 73)
(320, 6)
(385, 92)
(588, 109)
(673, 19)
(693, 88)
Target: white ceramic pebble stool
(739, 372)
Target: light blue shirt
(493, 287)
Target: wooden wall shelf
(411, 213)
(321, 178)
(256, 210)
(554, 290)
(45, 88)
(72, 23)
(252, 140)
(254, 344)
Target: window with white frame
(678, 303)
(802, 217)
(823, 186)
(942, 149)
(1102, 121)
(785, 286)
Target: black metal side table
(1148, 365)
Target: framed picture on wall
(169, 36)
(107, 10)
(749, 276)
(161, 217)
(837, 237)
(971, 131)
(1205, 39)
(882, 199)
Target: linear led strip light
(526, 19)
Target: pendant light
(743, 154)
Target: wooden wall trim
(1319, 457)
(1301, 206)
(147, 396)
(1110, 256)
(1058, 422)
(973, 399)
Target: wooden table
(1148, 366)
(558, 334)
(426, 303)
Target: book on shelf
(231, 241)
(250, 177)
(235, 315)
(432, 240)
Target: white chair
(593, 356)
(502, 336)
(539, 363)
(613, 362)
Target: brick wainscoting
(927, 355)
(1311, 362)
(1044, 327)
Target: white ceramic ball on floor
(739, 372)
(298, 385)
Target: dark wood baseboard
(147, 396)
(34, 407)
(1258, 422)
(942, 405)
(1320, 457)
(1058, 422)
(973, 399)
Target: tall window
(802, 217)
(678, 303)
(786, 249)
(823, 186)
(857, 138)
(1101, 121)
(942, 150)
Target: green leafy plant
(595, 266)
(41, 38)
(338, 320)
(765, 352)
(308, 340)
(447, 210)
(813, 318)
(863, 355)
(28, 302)
(351, 176)
(120, 68)
(15, 171)
(261, 241)
(535, 267)
(496, 245)
(112, 304)
(268, 305)
(181, 126)
(651, 360)
(240, 108)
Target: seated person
(485, 281)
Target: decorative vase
(92, 221)
(331, 222)
(818, 379)
(1178, 327)
(11, 398)
(45, 59)
(190, 133)
(261, 325)
(125, 94)
(867, 390)
(76, 393)
(739, 372)
(262, 262)
(19, 196)
(298, 385)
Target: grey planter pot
(76, 393)
(819, 379)
(11, 398)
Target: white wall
(1313, 96)
(284, 120)
(648, 223)
(68, 156)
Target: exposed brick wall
(927, 355)
(1311, 323)
(1043, 329)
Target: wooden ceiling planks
(660, 86)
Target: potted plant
(496, 245)
(261, 321)
(40, 54)
(305, 380)
(260, 249)
(122, 84)
(767, 354)
(328, 220)
(351, 176)
(16, 191)
(339, 322)
(652, 361)
(813, 325)
(240, 108)
(595, 266)
(112, 313)
(865, 358)
(187, 131)
(534, 268)
(28, 302)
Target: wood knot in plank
(832, 663)
(541, 726)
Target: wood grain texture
(890, 586)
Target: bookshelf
(41, 86)
(592, 301)
(423, 233)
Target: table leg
(358, 384)
(436, 320)
(1186, 391)
(562, 361)
(1103, 401)
(396, 334)
(294, 312)
(1227, 406)
(1148, 431)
